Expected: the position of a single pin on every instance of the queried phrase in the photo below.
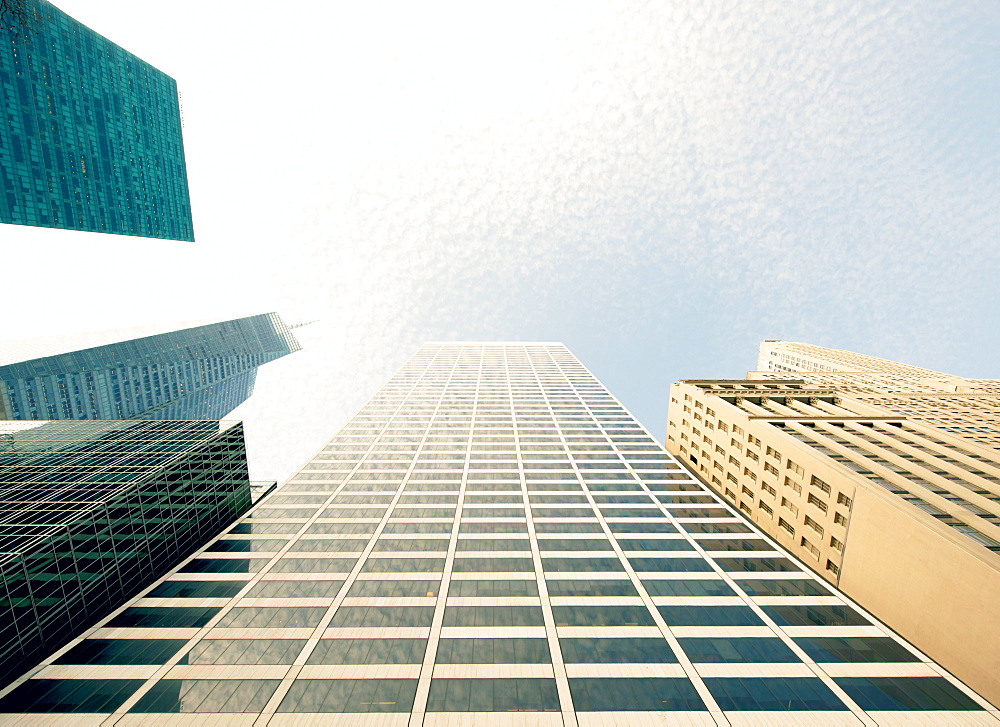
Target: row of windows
(485, 695)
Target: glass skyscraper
(91, 135)
(92, 512)
(493, 540)
(185, 371)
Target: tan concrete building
(883, 477)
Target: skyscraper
(92, 512)
(182, 371)
(91, 135)
(883, 477)
(493, 534)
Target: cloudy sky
(659, 185)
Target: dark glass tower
(197, 371)
(493, 535)
(92, 512)
(91, 135)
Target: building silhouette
(91, 135)
(92, 512)
(881, 476)
(492, 539)
(179, 371)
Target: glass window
(485, 616)
(642, 528)
(494, 565)
(563, 528)
(244, 651)
(337, 545)
(206, 696)
(906, 693)
(654, 544)
(602, 616)
(368, 651)
(395, 589)
(406, 545)
(349, 695)
(493, 651)
(670, 565)
(403, 565)
(815, 616)
(616, 651)
(405, 528)
(162, 618)
(688, 588)
(223, 565)
(709, 616)
(591, 588)
(493, 695)
(492, 589)
(773, 695)
(716, 528)
(831, 649)
(725, 651)
(758, 565)
(574, 544)
(273, 617)
(295, 589)
(744, 544)
(635, 695)
(314, 565)
(69, 695)
(567, 565)
(493, 544)
(197, 589)
(121, 651)
(382, 616)
(797, 587)
(491, 527)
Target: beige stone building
(883, 477)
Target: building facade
(92, 512)
(91, 135)
(185, 371)
(883, 477)
(492, 539)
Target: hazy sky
(658, 185)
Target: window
(737, 430)
(810, 547)
(753, 456)
(771, 452)
(782, 523)
(768, 489)
(789, 505)
(768, 467)
(839, 519)
(813, 500)
(766, 508)
(836, 544)
(797, 469)
(749, 473)
(616, 651)
(748, 694)
(844, 500)
(789, 482)
(634, 695)
(814, 525)
(833, 567)
(818, 483)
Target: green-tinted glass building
(92, 512)
(183, 371)
(90, 137)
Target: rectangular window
(782, 523)
(768, 489)
(836, 544)
(818, 483)
(797, 469)
(734, 443)
(844, 500)
(723, 426)
(746, 508)
(732, 478)
(840, 519)
(788, 505)
(833, 567)
(768, 467)
(813, 500)
(810, 547)
(753, 456)
(737, 430)
(789, 482)
(730, 494)
(814, 525)
(748, 473)
(748, 492)
(753, 440)
(772, 452)
(765, 507)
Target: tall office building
(491, 535)
(883, 477)
(91, 135)
(92, 512)
(182, 371)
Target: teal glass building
(196, 371)
(90, 137)
(492, 540)
(92, 512)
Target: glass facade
(92, 512)
(91, 135)
(201, 372)
(493, 539)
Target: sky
(658, 185)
